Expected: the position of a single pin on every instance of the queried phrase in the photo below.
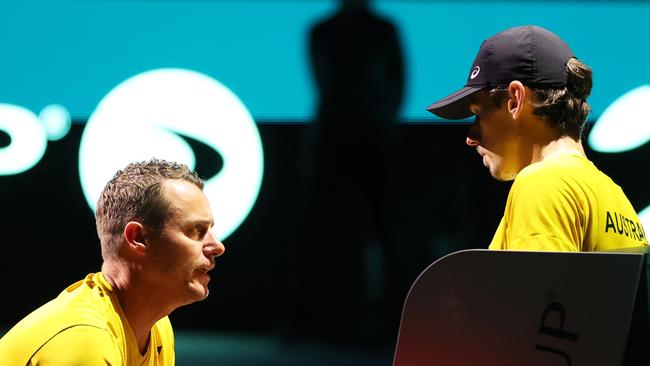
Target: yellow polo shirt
(564, 203)
(84, 325)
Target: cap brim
(456, 105)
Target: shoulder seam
(61, 331)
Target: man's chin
(502, 178)
(197, 294)
(501, 175)
(202, 294)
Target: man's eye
(197, 232)
(203, 231)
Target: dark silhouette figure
(358, 69)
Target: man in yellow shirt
(154, 224)
(529, 95)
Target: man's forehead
(480, 96)
(190, 215)
(182, 195)
(178, 185)
(478, 100)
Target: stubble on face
(179, 262)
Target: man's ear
(516, 97)
(134, 234)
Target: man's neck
(141, 308)
(539, 141)
(562, 146)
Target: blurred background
(355, 188)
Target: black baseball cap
(530, 54)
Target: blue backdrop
(74, 52)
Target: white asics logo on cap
(475, 72)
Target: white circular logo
(475, 72)
(28, 135)
(624, 125)
(155, 114)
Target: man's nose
(474, 135)
(214, 247)
(471, 141)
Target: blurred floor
(205, 348)
(197, 348)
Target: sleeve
(544, 213)
(79, 345)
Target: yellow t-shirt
(84, 325)
(565, 204)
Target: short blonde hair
(135, 194)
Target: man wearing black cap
(528, 93)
